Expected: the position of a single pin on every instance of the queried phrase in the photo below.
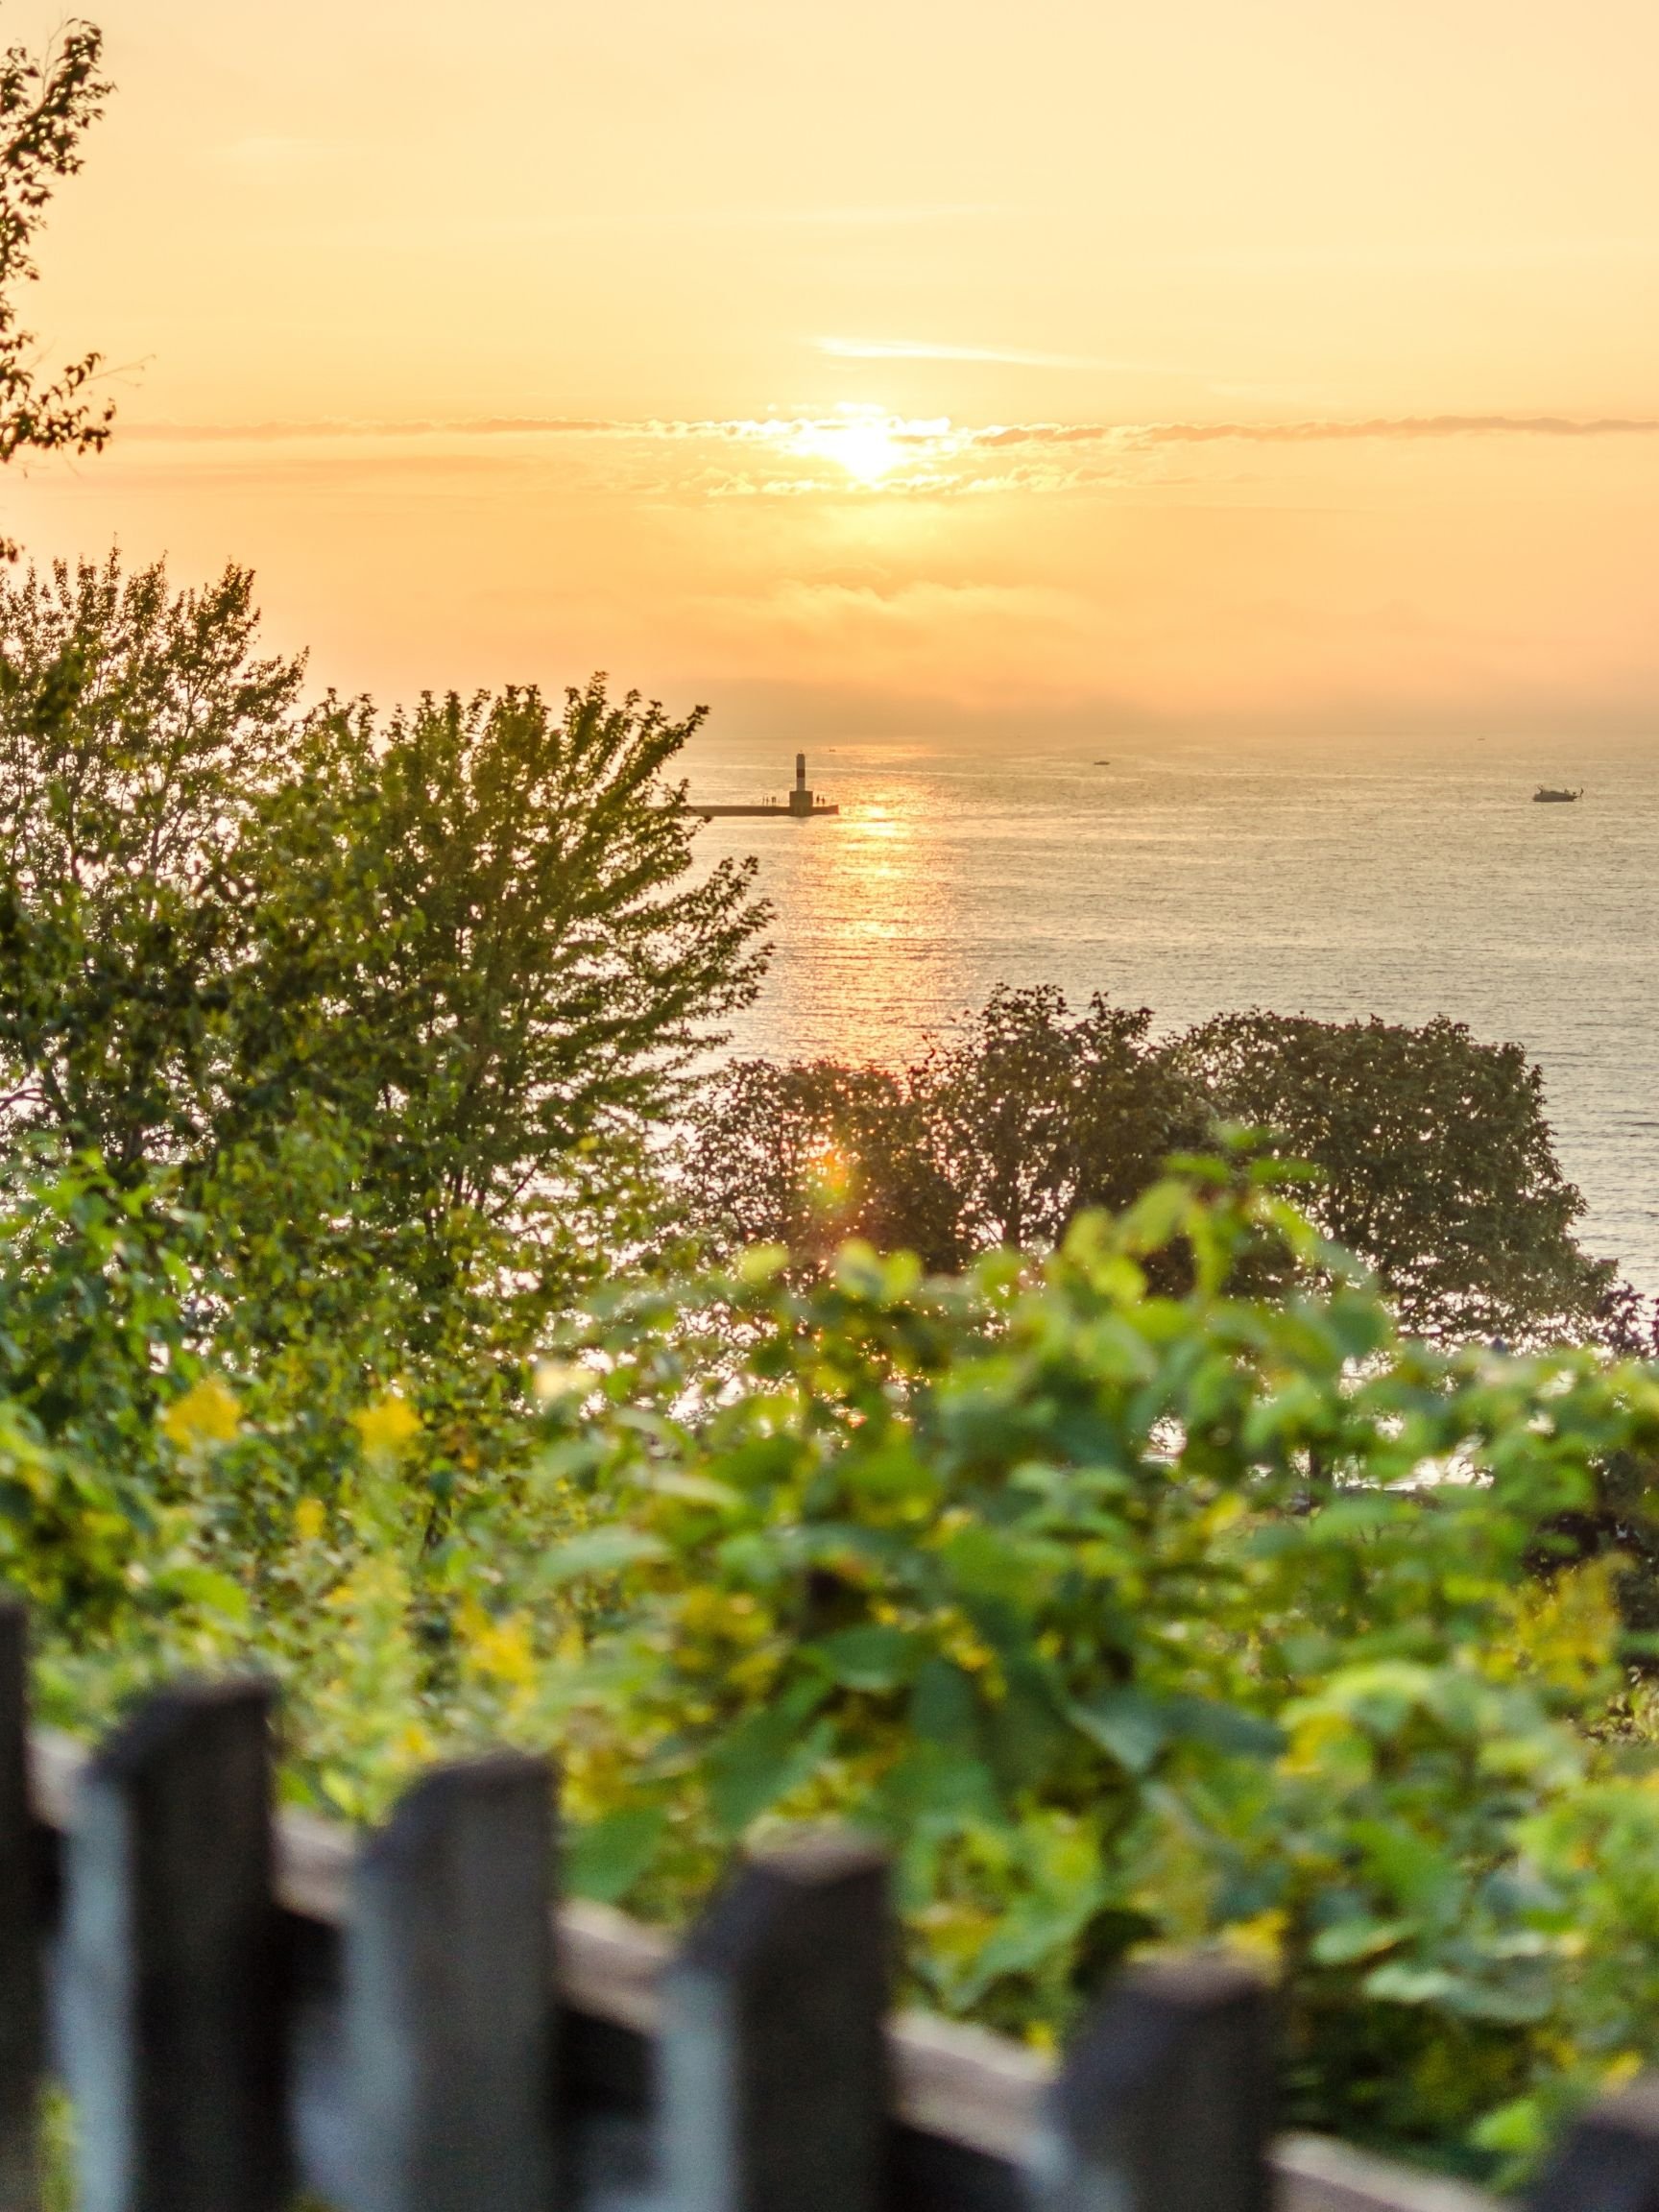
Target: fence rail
(244, 2005)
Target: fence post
(19, 1932)
(450, 1999)
(1610, 2160)
(772, 2046)
(172, 1997)
(1165, 2102)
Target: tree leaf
(765, 1756)
(599, 1551)
(606, 1857)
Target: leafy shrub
(1129, 1619)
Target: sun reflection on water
(868, 950)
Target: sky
(894, 367)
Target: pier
(802, 805)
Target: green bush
(1130, 1619)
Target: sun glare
(861, 442)
(866, 450)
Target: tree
(47, 102)
(1000, 1134)
(482, 936)
(1037, 1114)
(465, 950)
(1437, 1162)
(466, 947)
(813, 1154)
(139, 732)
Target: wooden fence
(245, 2006)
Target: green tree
(465, 948)
(1437, 1164)
(1037, 1114)
(139, 730)
(1434, 1161)
(812, 1153)
(483, 937)
(1000, 1135)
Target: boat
(1102, 763)
(1547, 795)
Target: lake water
(1361, 878)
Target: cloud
(850, 453)
(1329, 430)
(738, 218)
(932, 434)
(858, 218)
(290, 433)
(924, 350)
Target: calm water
(1368, 879)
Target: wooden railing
(245, 2006)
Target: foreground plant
(1130, 1618)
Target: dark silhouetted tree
(1437, 1165)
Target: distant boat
(1102, 763)
(1547, 795)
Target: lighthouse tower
(802, 805)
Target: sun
(863, 444)
(866, 450)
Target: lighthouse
(803, 804)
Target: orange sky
(893, 367)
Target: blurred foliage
(1434, 1161)
(1133, 1620)
(1130, 1618)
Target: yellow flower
(1261, 1938)
(207, 1413)
(384, 1428)
(414, 1742)
(310, 1519)
(1323, 1742)
(502, 1650)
